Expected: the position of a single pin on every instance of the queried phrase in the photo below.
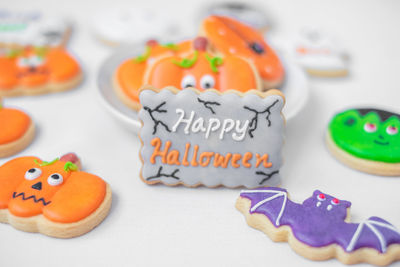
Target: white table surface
(164, 226)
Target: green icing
(69, 166)
(46, 163)
(214, 62)
(40, 51)
(171, 46)
(187, 62)
(144, 56)
(348, 133)
(12, 27)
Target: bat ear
(346, 203)
(317, 192)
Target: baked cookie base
(284, 234)
(364, 165)
(48, 88)
(44, 226)
(327, 73)
(14, 147)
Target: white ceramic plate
(295, 88)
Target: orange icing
(56, 66)
(130, 73)
(14, 124)
(75, 198)
(231, 37)
(165, 72)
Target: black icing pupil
(189, 85)
(207, 85)
(257, 48)
(31, 170)
(55, 176)
(350, 121)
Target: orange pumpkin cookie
(54, 198)
(17, 131)
(33, 70)
(231, 37)
(196, 67)
(128, 77)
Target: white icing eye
(329, 207)
(188, 81)
(370, 127)
(318, 203)
(33, 173)
(207, 82)
(321, 197)
(36, 61)
(23, 62)
(55, 179)
(392, 130)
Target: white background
(163, 226)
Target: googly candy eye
(33, 173)
(23, 62)
(392, 130)
(188, 81)
(370, 127)
(36, 61)
(207, 82)
(335, 201)
(321, 197)
(55, 179)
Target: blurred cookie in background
(32, 28)
(122, 26)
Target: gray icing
(249, 131)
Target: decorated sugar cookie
(189, 65)
(253, 16)
(32, 28)
(16, 131)
(319, 228)
(231, 37)
(319, 54)
(129, 76)
(211, 138)
(37, 70)
(366, 139)
(54, 198)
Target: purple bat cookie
(320, 220)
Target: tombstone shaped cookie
(211, 138)
(54, 198)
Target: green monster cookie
(366, 139)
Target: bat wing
(374, 233)
(271, 202)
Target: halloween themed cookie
(190, 64)
(211, 138)
(319, 228)
(228, 36)
(37, 70)
(319, 54)
(251, 15)
(54, 198)
(19, 29)
(16, 131)
(366, 139)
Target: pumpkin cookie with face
(54, 198)
(231, 37)
(17, 131)
(366, 139)
(33, 70)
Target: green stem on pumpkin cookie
(171, 46)
(40, 51)
(69, 166)
(187, 62)
(45, 163)
(214, 62)
(144, 56)
(13, 53)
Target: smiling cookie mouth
(381, 143)
(22, 195)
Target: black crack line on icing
(254, 121)
(160, 174)
(22, 195)
(207, 103)
(267, 176)
(156, 121)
